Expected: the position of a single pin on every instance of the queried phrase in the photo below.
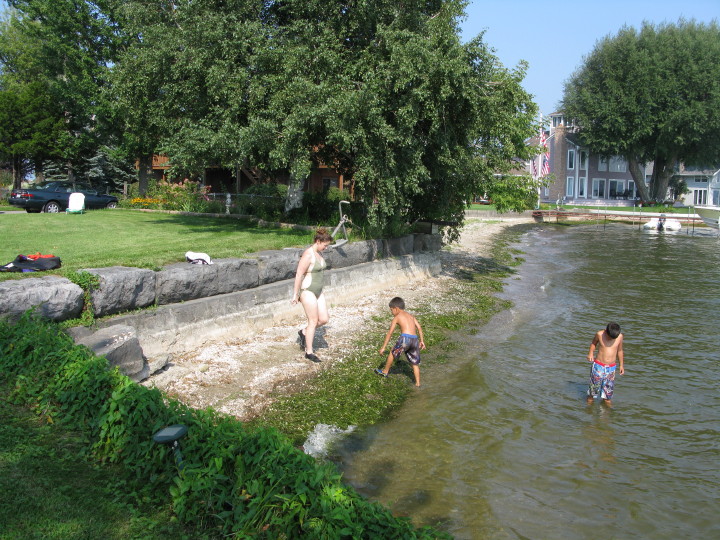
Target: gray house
(580, 176)
(585, 178)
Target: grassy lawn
(488, 207)
(47, 491)
(101, 238)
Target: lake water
(501, 444)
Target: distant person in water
(609, 345)
(408, 342)
(308, 290)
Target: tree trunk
(70, 172)
(16, 171)
(144, 168)
(39, 171)
(662, 171)
(637, 173)
(294, 196)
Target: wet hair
(321, 235)
(397, 302)
(613, 329)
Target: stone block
(277, 265)
(432, 242)
(236, 274)
(427, 242)
(273, 292)
(122, 289)
(120, 345)
(396, 247)
(184, 281)
(58, 298)
(351, 254)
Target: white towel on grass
(198, 258)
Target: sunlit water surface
(500, 443)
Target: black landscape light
(170, 436)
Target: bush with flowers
(186, 196)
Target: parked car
(53, 197)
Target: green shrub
(265, 201)
(322, 206)
(233, 481)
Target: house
(703, 185)
(226, 180)
(581, 177)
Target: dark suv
(53, 197)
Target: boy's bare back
(609, 350)
(406, 322)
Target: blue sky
(555, 35)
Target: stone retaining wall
(202, 303)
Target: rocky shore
(239, 377)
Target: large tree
(651, 95)
(385, 92)
(30, 120)
(73, 43)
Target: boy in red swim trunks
(408, 341)
(609, 344)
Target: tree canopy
(385, 92)
(651, 95)
(62, 48)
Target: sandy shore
(239, 377)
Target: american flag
(545, 168)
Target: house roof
(574, 138)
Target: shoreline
(242, 378)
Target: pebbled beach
(240, 377)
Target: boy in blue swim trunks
(609, 344)
(408, 342)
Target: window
(581, 186)
(598, 187)
(602, 164)
(617, 164)
(617, 189)
(569, 184)
(557, 121)
(631, 189)
(329, 182)
(699, 196)
(571, 159)
(583, 160)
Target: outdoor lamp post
(170, 436)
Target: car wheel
(52, 208)
(111, 204)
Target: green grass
(488, 207)
(101, 238)
(48, 491)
